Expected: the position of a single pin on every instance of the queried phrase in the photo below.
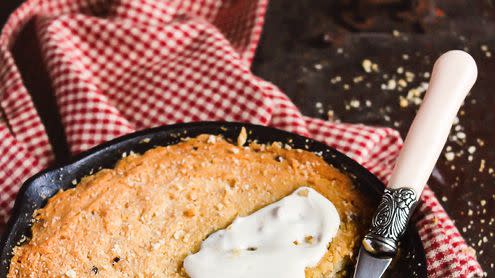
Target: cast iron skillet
(34, 193)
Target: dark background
(314, 49)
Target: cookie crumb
(391, 84)
(409, 76)
(330, 115)
(355, 103)
(336, 79)
(357, 79)
(309, 239)
(449, 156)
(402, 83)
(482, 166)
(303, 193)
(470, 251)
(241, 139)
(369, 66)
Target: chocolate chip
(252, 248)
(116, 260)
(94, 270)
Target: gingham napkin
(124, 65)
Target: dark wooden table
(314, 51)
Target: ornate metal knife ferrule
(390, 221)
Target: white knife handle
(453, 75)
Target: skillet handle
(454, 74)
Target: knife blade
(368, 264)
(453, 75)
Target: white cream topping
(279, 240)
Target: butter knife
(453, 75)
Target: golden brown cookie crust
(142, 218)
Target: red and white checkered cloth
(124, 65)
